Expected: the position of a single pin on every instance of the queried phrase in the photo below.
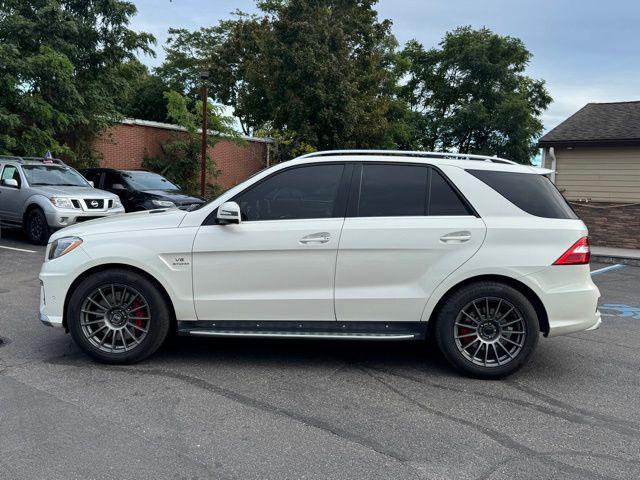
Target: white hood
(127, 222)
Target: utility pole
(204, 76)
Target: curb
(635, 262)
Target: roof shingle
(598, 124)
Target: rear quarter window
(533, 193)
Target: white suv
(478, 252)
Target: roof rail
(12, 157)
(401, 153)
(15, 158)
(42, 159)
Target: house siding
(604, 174)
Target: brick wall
(125, 146)
(614, 226)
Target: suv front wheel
(118, 316)
(487, 330)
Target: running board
(310, 330)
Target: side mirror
(91, 183)
(10, 182)
(229, 212)
(117, 186)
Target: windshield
(148, 181)
(53, 175)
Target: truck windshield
(53, 175)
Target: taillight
(578, 254)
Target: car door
(111, 178)
(11, 197)
(279, 262)
(407, 229)
(92, 175)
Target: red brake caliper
(465, 340)
(138, 313)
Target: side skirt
(314, 330)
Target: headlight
(163, 203)
(116, 203)
(61, 202)
(62, 246)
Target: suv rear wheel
(487, 330)
(37, 227)
(118, 316)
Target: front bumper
(50, 322)
(59, 218)
(56, 277)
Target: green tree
(181, 157)
(322, 72)
(145, 98)
(63, 76)
(471, 95)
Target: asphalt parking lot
(248, 409)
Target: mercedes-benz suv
(42, 195)
(477, 252)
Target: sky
(586, 50)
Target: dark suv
(141, 190)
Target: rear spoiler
(541, 171)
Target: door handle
(456, 237)
(316, 238)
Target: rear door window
(533, 193)
(443, 199)
(395, 190)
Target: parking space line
(18, 249)
(617, 266)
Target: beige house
(595, 155)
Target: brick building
(595, 155)
(125, 145)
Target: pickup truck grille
(94, 204)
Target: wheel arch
(533, 298)
(31, 205)
(118, 266)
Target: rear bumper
(569, 296)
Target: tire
(487, 346)
(118, 317)
(37, 229)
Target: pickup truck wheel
(37, 227)
(117, 316)
(487, 330)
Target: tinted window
(304, 192)
(393, 190)
(110, 179)
(443, 199)
(92, 176)
(535, 194)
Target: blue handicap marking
(620, 310)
